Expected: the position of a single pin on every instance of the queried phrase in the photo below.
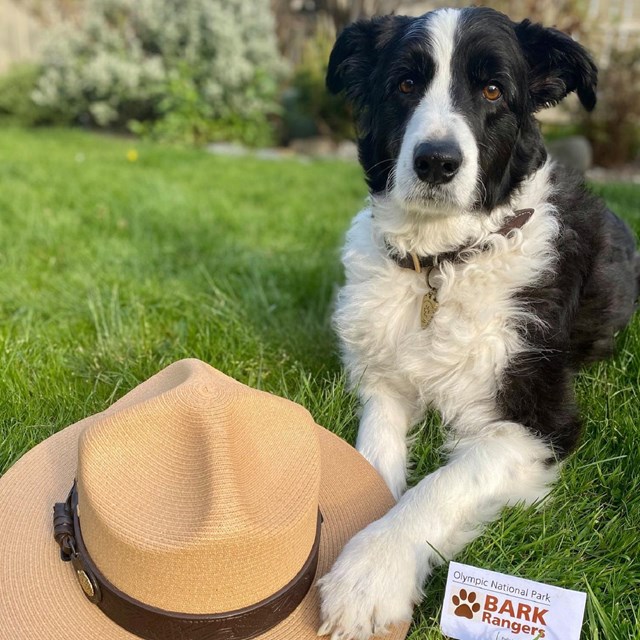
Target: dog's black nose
(437, 162)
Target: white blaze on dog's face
(444, 103)
(438, 160)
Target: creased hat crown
(198, 494)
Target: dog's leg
(382, 436)
(379, 575)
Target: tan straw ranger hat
(202, 510)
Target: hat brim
(39, 595)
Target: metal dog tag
(429, 303)
(428, 309)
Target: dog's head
(444, 103)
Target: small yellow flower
(132, 155)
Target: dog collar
(418, 263)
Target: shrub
(310, 108)
(613, 128)
(193, 69)
(16, 103)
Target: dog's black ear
(355, 54)
(351, 57)
(558, 65)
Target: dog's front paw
(372, 586)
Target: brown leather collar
(417, 263)
(151, 623)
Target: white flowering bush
(194, 69)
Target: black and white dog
(479, 279)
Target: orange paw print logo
(465, 604)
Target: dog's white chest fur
(457, 360)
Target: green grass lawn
(113, 269)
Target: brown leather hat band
(151, 623)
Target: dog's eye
(407, 85)
(492, 92)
